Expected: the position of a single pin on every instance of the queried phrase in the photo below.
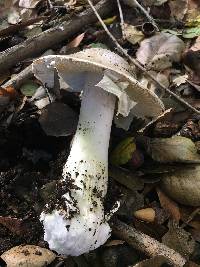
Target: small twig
(191, 217)
(146, 244)
(135, 2)
(121, 19)
(137, 64)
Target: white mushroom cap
(98, 60)
(28, 256)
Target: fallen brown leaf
(178, 8)
(169, 205)
(76, 41)
(159, 51)
(183, 185)
(174, 149)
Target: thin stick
(121, 19)
(146, 244)
(135, 2)
(136, 63)
(191, 217)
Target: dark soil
(22, 175)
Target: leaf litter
(156, 180)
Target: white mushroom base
(84, 233)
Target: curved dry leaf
(174, 149)
(169, 205)
(183, 185)
(58, 119)
(178, 8)
(132, 34)
(158, 52)
(76, 41)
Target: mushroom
(28, 256)
(77, 223)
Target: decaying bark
(47, 39)
(146, 244)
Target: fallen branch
(146, 244)
(137, 64)
(49, 38)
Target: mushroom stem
(87, 163)
(82, 227)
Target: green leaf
(97, 45)
(190, 33)
(29, 88)
(123, 152)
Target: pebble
(28, 256)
